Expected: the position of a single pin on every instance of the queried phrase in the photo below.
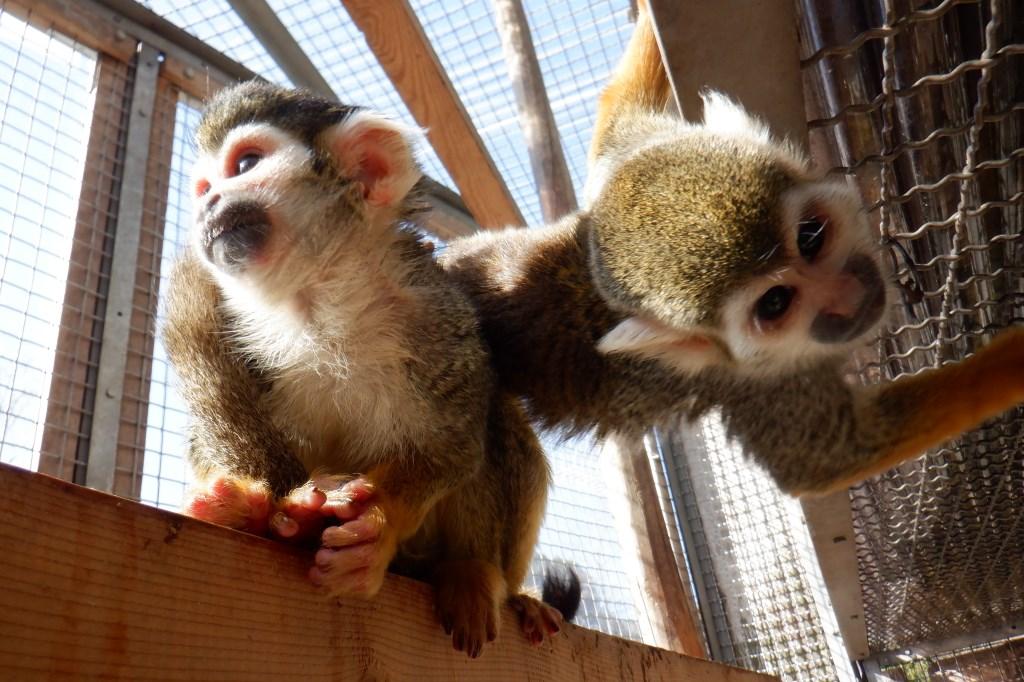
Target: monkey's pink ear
(685, 350)
(377, 152)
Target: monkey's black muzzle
(828, 328)
(233, 232)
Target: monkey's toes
(471, 625)
(536, 619)
(232, 502)
(467, 600)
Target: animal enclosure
(916, 572)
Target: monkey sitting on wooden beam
(335, 373)
(710, 269)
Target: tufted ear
(376, 152)
(685, 350)
(727, 117)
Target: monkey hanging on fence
(710, 269)
(334, 372)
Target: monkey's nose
(844, 321)
(234, 232)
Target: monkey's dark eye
(246, 162)
(774, 303)
(810, 238)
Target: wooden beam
(830, 523)
(131, 439)
(395, 36)
(550, 171)
(264, 23)
(96, 587)
(646, 546)
(65, 442)
(120, 290)
(745, 48)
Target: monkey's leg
(242, 461)
(914, 414)
(525, 478)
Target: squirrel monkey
(315, 337)
(709, 268)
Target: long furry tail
(639, 82)
(562, 590)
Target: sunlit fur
(688, 267)
(313, 333)
(323, 315)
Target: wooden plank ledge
(97, 586)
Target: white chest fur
(339, 360)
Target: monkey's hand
(355, 555)
(302, 514)
(232, 501)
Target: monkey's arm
(925, 410)
(815, 434)
(231, 433)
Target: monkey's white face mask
(271, 211)
(814, 288)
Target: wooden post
(747, 49)
(97, 587)
(394, 34)
(550, 171)
(66, 428)
(131, 440)
(646, 546)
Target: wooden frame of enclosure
(103, 587)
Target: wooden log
(547, 159)
(97, 587)
(394, 34)
(646, 546)
(65, 442)
(747, 49)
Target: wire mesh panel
(999, 661)
(46, 120)
(762, 595)
(165, 473)
(922, 106)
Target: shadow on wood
(97, 586)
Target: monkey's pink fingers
(361, 529)
(348, 571)
(298, 514)
(233, 502)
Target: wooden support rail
(98, 587)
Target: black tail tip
(562, 590)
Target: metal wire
(763, 593)
(936, 113)
(46, 111)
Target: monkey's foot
(302, 514)
(536, 619)
(467, 600)
(238, 503)
(355, 555)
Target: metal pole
(106, 418)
